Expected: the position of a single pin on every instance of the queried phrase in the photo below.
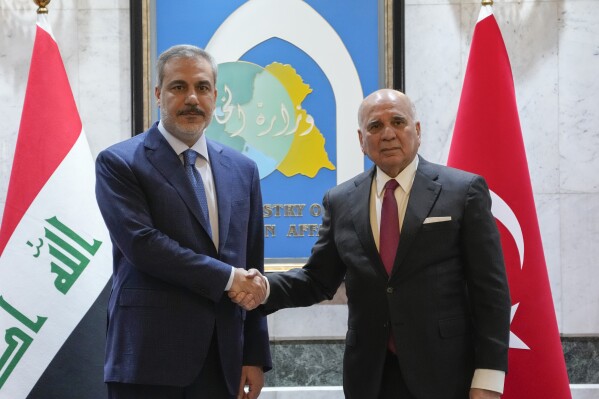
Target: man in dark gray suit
(172, 331)
(429, 311)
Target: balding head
(385, 95)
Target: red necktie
(389, 237)
(389, 234)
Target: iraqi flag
(487, 140)
(55, 256)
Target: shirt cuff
(491, 380)
(230, 282)
(267, 290)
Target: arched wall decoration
(324, 33)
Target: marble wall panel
(303, 393)
(579, 96)
(585, 391)
(580, 263)
(530, 30)
(103, 5)
(548, 206)
(433, 73)
(315, 322)
(104, 69)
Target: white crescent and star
(502, 212)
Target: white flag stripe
(485, 11)
(42, 22)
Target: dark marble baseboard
(319, 363)
(582, 359)
(306, 363)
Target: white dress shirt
(402, 195)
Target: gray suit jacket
(447, 299)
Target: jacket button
(389, 290)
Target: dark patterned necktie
(189, 159)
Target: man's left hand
(253, 378)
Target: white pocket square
(437, 219)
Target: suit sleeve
(486, 278)
(125, 209)
(256, 351)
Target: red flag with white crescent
(487, 140)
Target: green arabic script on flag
(67, 271)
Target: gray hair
(183, 51)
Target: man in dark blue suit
(184, 231)
(429, 309)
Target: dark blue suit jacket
(168, 279)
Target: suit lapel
(223, 183)
(423, 196)
(162, 156)
(360, 198)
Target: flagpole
(41, 4)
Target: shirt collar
(200, 146)
(405, 178)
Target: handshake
(248, 289)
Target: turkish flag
(487, 140)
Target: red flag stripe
(50, 126)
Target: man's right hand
(248, 289)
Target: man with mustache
(185, 218)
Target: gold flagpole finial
(487, 2)
(41, 4)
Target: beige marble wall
(554, 50)
(579, 164)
